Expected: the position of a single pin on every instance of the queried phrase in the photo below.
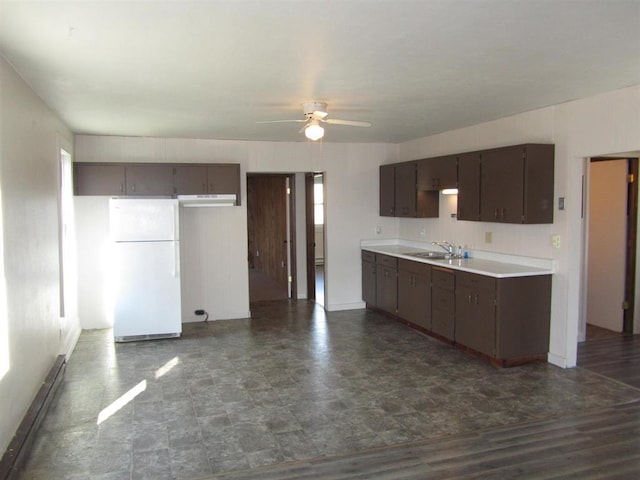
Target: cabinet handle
(133, 187)
(469, 301)
(496, 214)
(502, 214)
(477, 299)
(121, 187)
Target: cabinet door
(224, 178)
(538, 185)
(437, 173)
(405, 195)
(387, 288)
(475, 312)
(387, 191)
(501, 185)
(149, 179)
(523, 316)
(98, 179)
(190, 179)
(443, 312)
(469, 186)
(369, 283)
(414, 298)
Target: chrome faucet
(446, 246)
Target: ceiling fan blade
(351, 123)
(282, 121)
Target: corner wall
(30, 139)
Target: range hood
(214, 200)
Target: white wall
(604, 124)
(215, 270)
(31, 332)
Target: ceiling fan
(315, 113)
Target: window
(318, 202)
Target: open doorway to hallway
(611, 238)
(286, 220)
(318, 235)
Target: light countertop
(483, 263)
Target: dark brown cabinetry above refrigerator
(151, 179)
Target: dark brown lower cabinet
(523, 311)
(476, 312)
(443, 313)
(387, 283)
(504, 318)
(369, 278)
(414, 292)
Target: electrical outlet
(555, 241)
(378, 230)
(423, 232)
(488, 237)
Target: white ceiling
(211, 69)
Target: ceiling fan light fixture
(314, 131)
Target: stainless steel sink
(430, 255)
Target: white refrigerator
(145, 268)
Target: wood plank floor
(616, 357)
(603, 444)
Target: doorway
(611, 246)
(271, 236)
(315, 233)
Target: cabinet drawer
(442, 278)
(418, 268)
(368, 256)
(387, 261)
(475, 282)
(443, 300)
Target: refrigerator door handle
(176, 259)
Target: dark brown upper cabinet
(387, 190)
(152, 179)
(469, 186)
(437, 173)
(156, 179)
(516, 184)
(405, 190)
(190, 179)
(98, 179)
(224, 178)
(399, 196)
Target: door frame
(310, 235)
(631, 240)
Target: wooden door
(267, 230)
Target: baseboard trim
(20, 445)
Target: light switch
(488, 237)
